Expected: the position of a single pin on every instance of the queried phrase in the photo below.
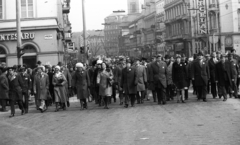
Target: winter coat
(151, 85)
(60, 92)
(141, 78)
(81, 82)
(27, 82)
(105, 88)
(129, 80)
(179, 75)
(159, 74)
(15, 87)
(200, 74)
(169, 72)
(4, 87)
(212, 69)
(41, 86)
(221, 71)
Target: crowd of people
(135, 80)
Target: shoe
(126, 106)
(224, 100)
(26, 111)
(121, 103)
(204, 100)
(22, 112)
(183, 101)
(12, 115)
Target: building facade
(46, 31)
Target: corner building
(46, 31)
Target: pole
(84, 31)
(18, 21)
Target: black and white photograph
(119, 72)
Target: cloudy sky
(96, 11)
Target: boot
(56, 110)
(106, 103)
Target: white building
(45, 30)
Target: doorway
(30, 61)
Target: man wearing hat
(4, 89)
(27, 86)
(200, 75)
(15, 90)
(142, 80)
(224, 76)
(212, 68)
(151, 85)
(235, 73)
(129, 83)
(159, 77)
(96, 81)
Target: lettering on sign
(12, 37)
(202, 17)
(48, 37)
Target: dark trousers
(169, 92)
(208, 87)
(202, 92)
(3, 103)
(154, 93)
(214, 89)
(26, 99)
(98, 98)
(114, 91)
(12, 103)
(234, 88)
(161, 95)
(186, 94)
(121, 96)
(130, 97)
(140, 98)
(224, 89)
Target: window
(133, 7)
(27, 8)
(1, 9)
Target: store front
(2, 55)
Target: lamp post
(19, 41)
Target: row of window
(178, 28)
(176, 11)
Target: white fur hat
(57, 67)
(99, 61)
(79, 65)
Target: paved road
(194, 123)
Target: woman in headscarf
(81, 82)
(60, 92)
(40, 87)
(105, 85)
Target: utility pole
(85, 55)
(19, 34)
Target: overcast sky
(96, 11)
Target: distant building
(46, 30)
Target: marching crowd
(165, 77)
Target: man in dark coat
(4, 89)
(116, 78)
(121, 66)
(129, 83)
(96, 82)
(26, 88)
(151, 85)
(212, 68)
(235, 74)
(15, 90)
(200, 75)
(224, 76)
(159, 77)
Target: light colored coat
(104, 88)
(141, 78)
(60, 92)
(41, 86)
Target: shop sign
(13, 36)
(202, 17)
(48, 37)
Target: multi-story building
(44, 36)
(112, 31)
(161, 28)
(178, 27)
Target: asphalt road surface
(194, 123)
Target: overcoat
(212, 69)
(15, 87)
(235, 69)
(141, 78)
(81, 81)
(179, 75)
(116, 74)
(41, 86)
(129, 80)
(27, 82)
(159, 74)
(220, 72)
(4, 87)
(151, 85)
(200, 74)
(105, 89)
(169, 72)
(59, 82)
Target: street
(193, 123)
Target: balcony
(213, 7)
(66, 6)
(67, 37)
